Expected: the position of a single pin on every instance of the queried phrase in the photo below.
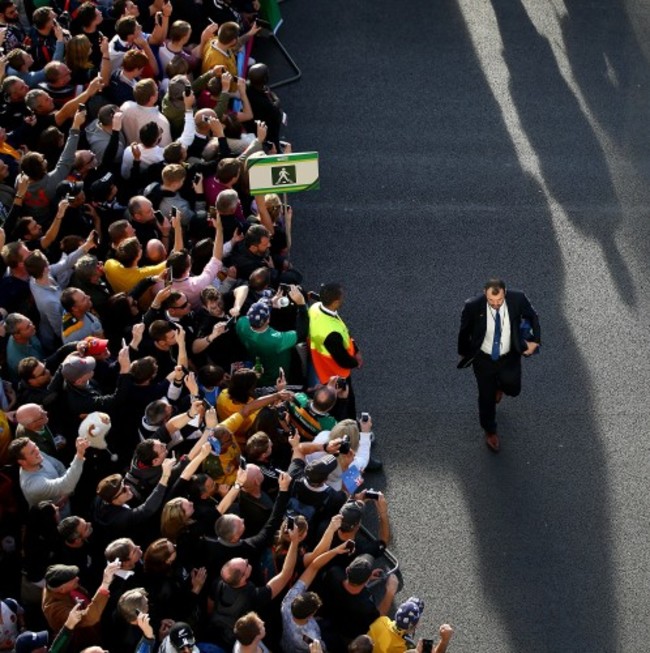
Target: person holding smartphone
(396, 635)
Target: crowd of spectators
(182, 467)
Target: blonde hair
(173, 519)
(273, 205)
(77, 53)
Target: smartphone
(95, 236)
(188, 90)
(159, 19)
(345, 445)
(174, 211)
(206, 404)
(365, 417)
(307, 639)
(291, 522)
(160, 218)
(350, 546)
(427, 646)
(340, 383)
(169, 278)
(285, 288)
(372, 494)
(230, 321)
(82, 107)
(313, 296)
(197, 178)
(242, 462)
(215, 444)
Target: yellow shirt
(212, 57)
(125, 279)
(223, 468)
(386, 637)
(227, 407)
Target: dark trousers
(503, 374)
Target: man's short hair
(117, 230)
(247, 628)
(494, 285)
(17, 58)
(255, 234)
(134, 59)
(228, 169)
(128, 251)
(330, 292)
(228, 32)
(36, 264)
(324, 398)
(68, 529)
(26, 368)
(144, 90)
(15, 450)
(257, 445)
(155, 412)
(143, 369)
(13, 321)
(12, 254)
(119, 549)
(106, 113)
(159, 329)
(149, 133)
(86, 267)
(131, 603)
(227, 201)
(68, 298)
(86, 14)
(225, 527)
(126, 26)
(173, 173)
(305, 605)
(42, 16)
(145, 452)
(174, 152)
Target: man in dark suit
(492, 339)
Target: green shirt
(273, 347)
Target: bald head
(30, 415)
(254, 479)
(156, 251)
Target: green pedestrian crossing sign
(283, 173)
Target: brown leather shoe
(499, 396)
(492, 441)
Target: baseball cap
(408, 614)
(57, 575)
(181, 635)
(258, 314)
(74, 367)
(95, 346)
(29, 641)
(360, 569)
(101, 189)
(72, 188)
(317, 471)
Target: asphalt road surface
(461, 139)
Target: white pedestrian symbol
(283, 177)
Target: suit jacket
(473, 322)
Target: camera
(345, 445)
(206, 118)
(365, 417)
